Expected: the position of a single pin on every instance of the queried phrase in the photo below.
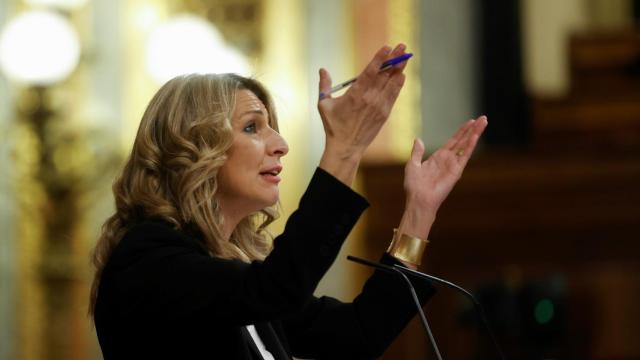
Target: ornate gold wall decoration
(59, 165)
(239, 21)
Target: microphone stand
(476, 303)
(397, 271)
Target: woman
(184, 269)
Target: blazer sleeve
(159, 265)
(329, 329)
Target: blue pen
(385, 66)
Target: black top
(163, 296)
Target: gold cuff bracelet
(407, 248)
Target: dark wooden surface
(562, 209)
(522, 217)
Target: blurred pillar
(103, 107)
(450, 63)
(328, 45)
(137, 87)
(7, 217)
(380, 22)
(107, 63)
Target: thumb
(325, 84)
(418, 151)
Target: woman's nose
(278, 145)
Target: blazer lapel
(271, 341)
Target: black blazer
(163, 296)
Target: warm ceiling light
(189, 44)
(39, 48)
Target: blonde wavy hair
(171, 173)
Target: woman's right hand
(353, 120)
(428, 183)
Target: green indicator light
(544, 311)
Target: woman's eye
(251, 128)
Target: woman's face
(248, 180)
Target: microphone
(476, 303)
(394, 270)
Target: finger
(471, 142)
(324, 84)
(369, 74)
(397, 51)
(477, 130)
(461, 141)
(396, 69)
(477, 124)
(391, 91)
(450, 144)
(417, 152)
(383, 77)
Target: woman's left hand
(428, 183)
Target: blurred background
(543, 227)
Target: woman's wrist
(341, 161)
(416, 221)
(410, 239)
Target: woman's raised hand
(353, 120)
(428, 183)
